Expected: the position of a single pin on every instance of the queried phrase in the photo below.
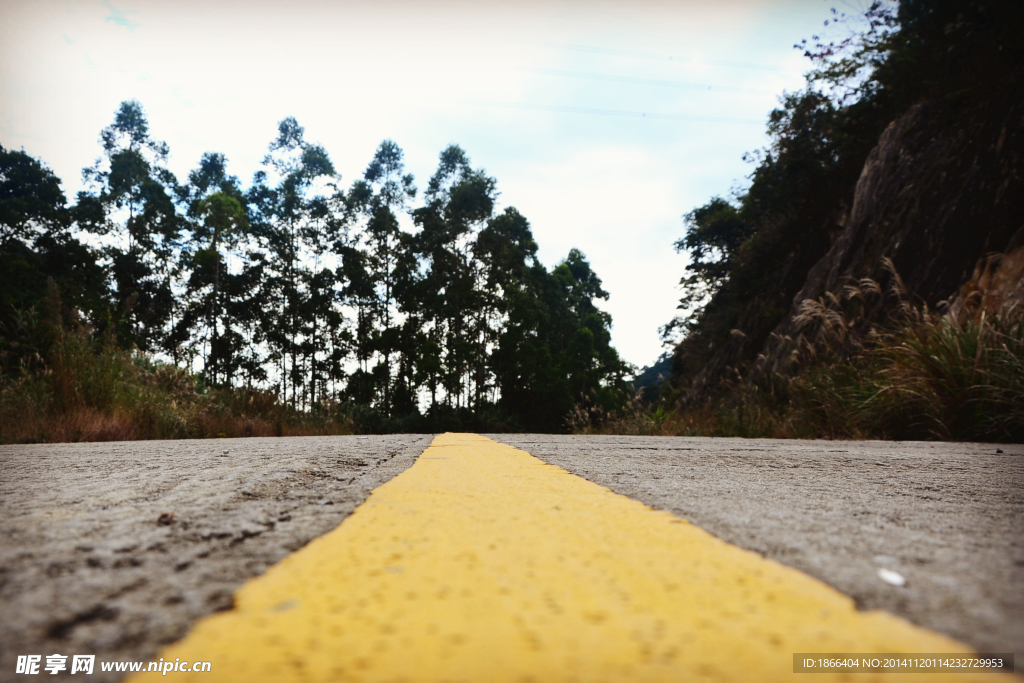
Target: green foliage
(31, 201)
(921, 376)
(95, 391)
(929, 378)
(133, 203)
(39, 256)
(714, 235)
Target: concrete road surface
(116, 549)
(948, 517)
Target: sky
(604, 121)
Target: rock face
(940, 197)
(935, 195)
(997, 284)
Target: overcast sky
(603, 122)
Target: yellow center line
(483, 563)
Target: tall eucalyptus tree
(134, 202)
(375, 201)
(286, 218)
(37, 248)
(215, 324)
(459, 199)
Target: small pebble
(892, 578)
(325, 502)
(999, 450)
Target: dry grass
(924, 376)
(89, 390)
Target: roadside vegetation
(923, 375)
(88, 388)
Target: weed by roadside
(86, 389)
(925, 375)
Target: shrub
(925, 375)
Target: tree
(507, 252)
(954, 55)
(223, 218)
(593, 369)
(714, 234)
(553, 349)
(266, 277)
(31, 201)
(374, 201)
(134, 202)
(39, 254)
(289, 218)
(459, 200)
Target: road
(947, 516)
(93, 561)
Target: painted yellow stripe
(482, 563)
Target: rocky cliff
(939, 204)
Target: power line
(610, 112)
(646, 81)
(659, 57)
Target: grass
(65, 386)
(923, 376)
(930, 378)
(90, 390)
